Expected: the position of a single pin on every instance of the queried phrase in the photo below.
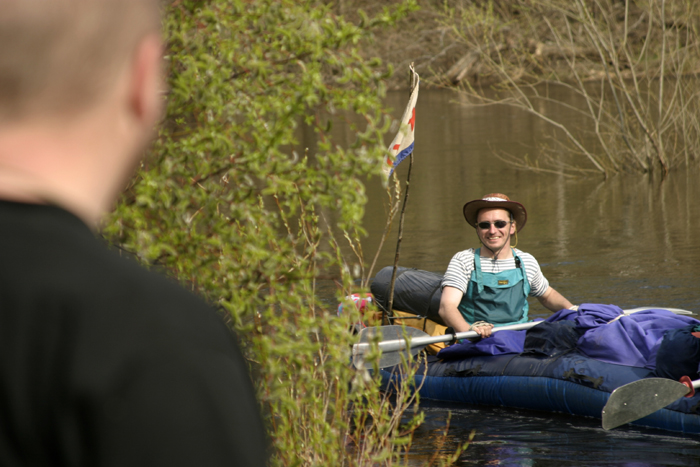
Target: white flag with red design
(402, 146)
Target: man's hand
(483, 328)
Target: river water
(630, 241)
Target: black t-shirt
(103, 363)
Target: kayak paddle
(393, 344)
(644, 397)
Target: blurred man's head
(58, 56)
(80, 95)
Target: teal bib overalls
(498, 298)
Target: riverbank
(631, 65)
(470, 43)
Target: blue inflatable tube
(571, 384)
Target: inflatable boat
(568, 363)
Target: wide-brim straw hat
(495, 200)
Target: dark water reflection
(630, 241)
(510, 437)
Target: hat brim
(471, 211)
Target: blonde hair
(58, 55)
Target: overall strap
(520, 265)
(476, 273)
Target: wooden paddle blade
(640, 398)
(383, 334)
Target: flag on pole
(402, 146)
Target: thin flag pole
(414, 83)
(400, 236)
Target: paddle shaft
(395, 345)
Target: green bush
(229, 202)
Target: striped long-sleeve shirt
(459, 271)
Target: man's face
(493, 237)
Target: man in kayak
(490, 285)
(102, 362)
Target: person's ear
(146, 83)
(513, 228)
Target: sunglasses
(487, 225)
